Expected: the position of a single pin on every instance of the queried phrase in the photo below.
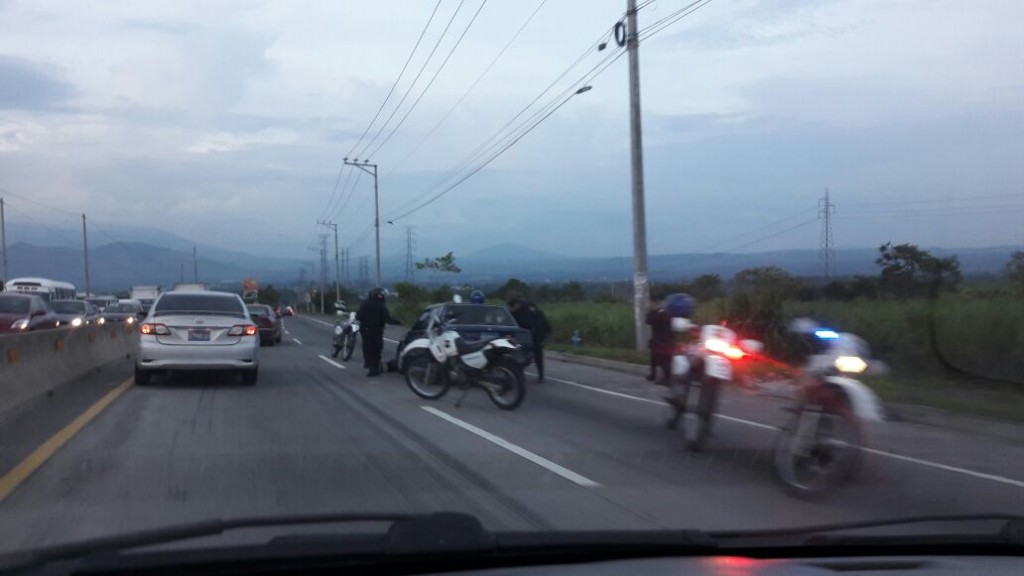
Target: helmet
(680, 305)
(477, 297)
(376, 294)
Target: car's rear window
(479, 314)
(68, 306)
(259, 309)
(122, 308)
(14, 305)
(197, 303)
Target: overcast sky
(226, 122)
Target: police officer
(373, 315)
(529, 316)
(660, 343)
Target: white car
(198, 331)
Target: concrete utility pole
(323, 270)
(641, 287)
(337, 264)
(3, 240)
(365, 166)
(85, 251)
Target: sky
(226, 123)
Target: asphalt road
(586, 450)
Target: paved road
(586, 450)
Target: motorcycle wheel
(707, 404)
(835, 447)
(349, 345)
(504, 385)
(426, 378)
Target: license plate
(716, 367)
(198, 335)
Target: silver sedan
(198, 331)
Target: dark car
(24, 312)
(474, 322)
(128, 311)
(269, 323)
(76, 313)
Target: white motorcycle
(706, 364)
(345, 335)
(431, 364)
(834, 414)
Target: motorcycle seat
(464, 347)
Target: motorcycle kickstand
(465, 392)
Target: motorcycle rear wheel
(834, 450)
(426, 377)
(505, 386)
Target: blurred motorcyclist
(373, 315)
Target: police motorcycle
(440, 358)
(346, 332)
(834, 413)
(702, 364)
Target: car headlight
(102, 321)
(129, 320)
(76, 322)
(20, 324)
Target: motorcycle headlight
(76, 322)
(851, 364)
(337, 330)
(20, 324)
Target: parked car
(128, 311)
(101, 302)
(289, 311)
(198, 331)
(76, 313)
(25, 312)
(474, 322)
(269, 323)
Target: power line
(671, 19)
(469, 90)
(431, 82)
(423, 68)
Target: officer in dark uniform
(373, 315)
(529, 316)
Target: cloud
(229, 141)
(25, 85)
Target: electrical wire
(430, 83)
(670, 19)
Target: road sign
(250, 289)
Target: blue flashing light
(826, 334)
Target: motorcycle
(433, 363)
(705, 364)
(833, 416)
(345, 335)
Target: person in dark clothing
(373, 315)
(529, 316)
(660, 343)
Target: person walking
(529, 316)
(373, 315)
(660, 343)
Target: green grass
(961, 396)
(617, 354)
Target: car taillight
(242, 330)
(157, 329)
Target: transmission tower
(364, 269)
(409, 259)
(827, 209)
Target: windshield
(198, 304)
(14, 305)
(714, 265)
(68, 307)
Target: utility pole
(85, 252)
(641, 287)
(365, 167)
(182, 273)
(323, 270)
(195, 265)
(337, 265)
(828, 258)
(3, 240)
(408, 254)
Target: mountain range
(115, 266)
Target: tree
(269, 295)
(514, 288)
(706, 287)
(755, 304)
(444, 263)
(1014, 269)
(908, 271)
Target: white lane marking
(390, 340)
(517, 450)
(287, 332)
(893, 455)
(297, 341)
(331, 362)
